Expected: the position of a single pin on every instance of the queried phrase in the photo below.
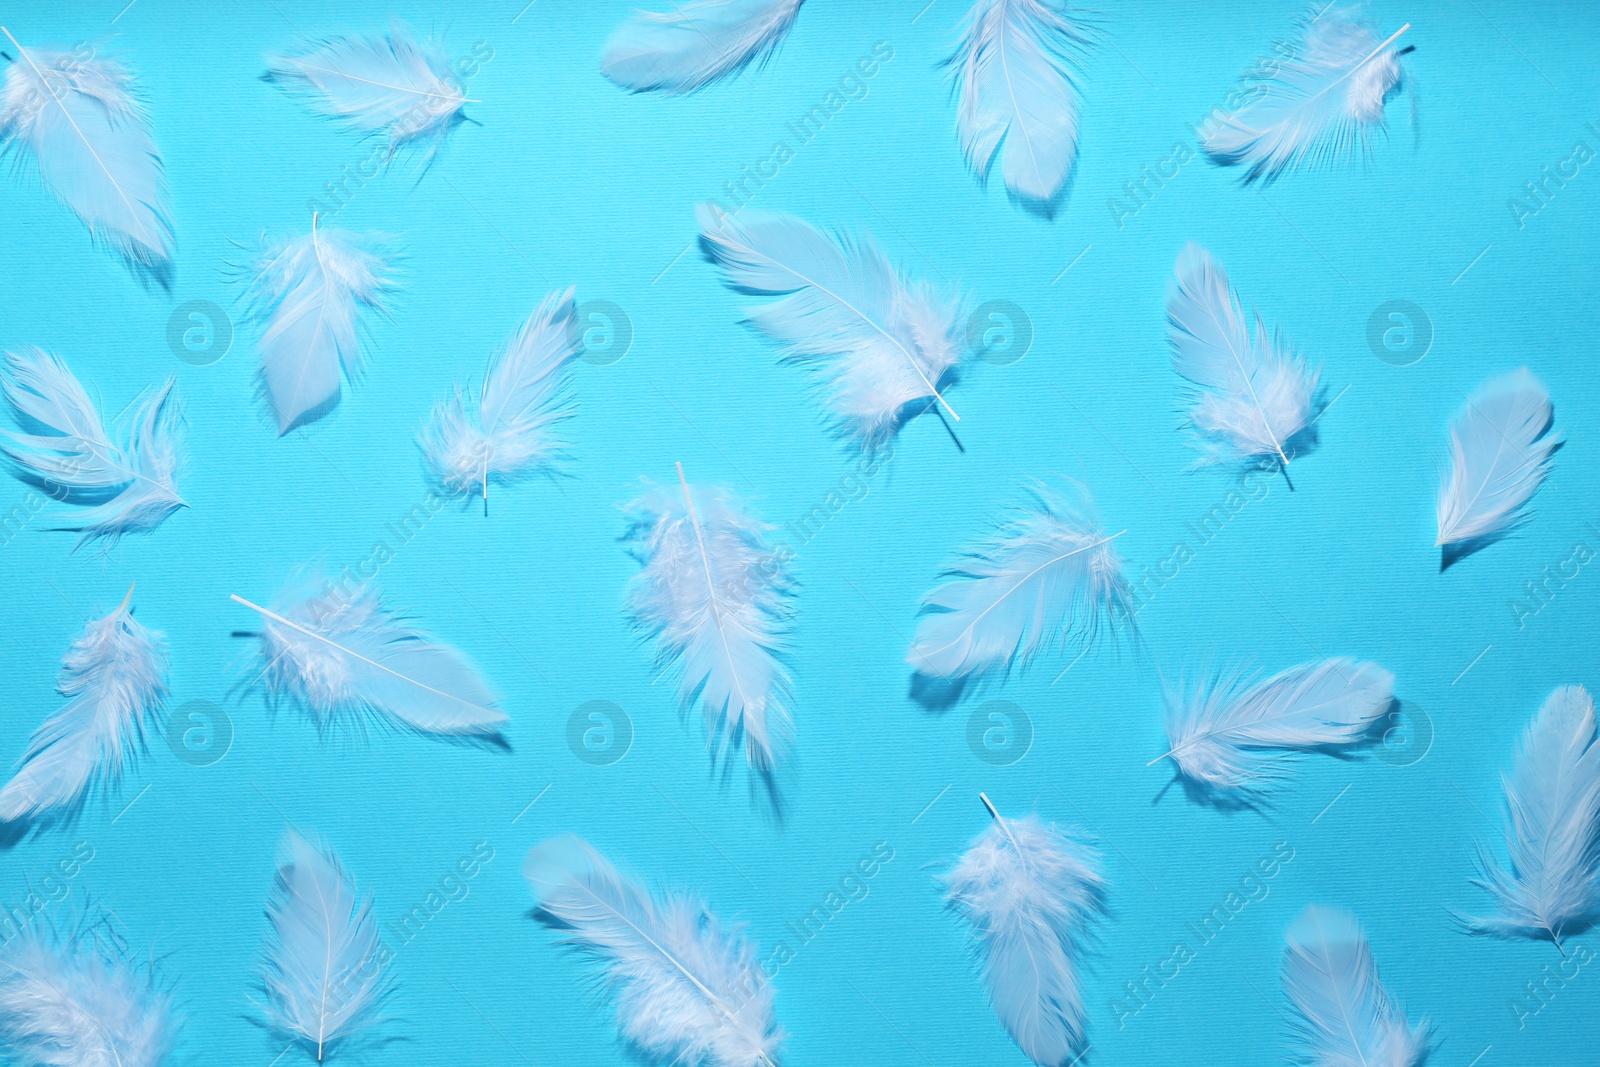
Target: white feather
(306, 296)
(1500, 449)
(325, 971)
(695, 44)
(1047, 575)
(688, 989)
(1231, 732)
(1551, 886)
(1016, 71)
(1029, 891)
(1251, 397)
(1320, 104)
(76, 115)
(879, 341)
(124, 482)
(1344, 1017)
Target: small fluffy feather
(1500, 450)
(1344, 1017)
(695, 44)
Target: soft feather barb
(1029, 891)
(1344, 1017)
(695, 44)
(689, 990)
(124, 482)
(882, 345)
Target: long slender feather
(695, 44)
(1344, 1017)
(688, 989)
(1500, 449)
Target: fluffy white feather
(1048, 574)
(879, 341)
(76, 115)
(1251, 397)
(1344, 1017)
(344, 656)
(1500, 449)
(1230, 732)
(1029, 890)
(1551, 886)
(306, 296)
(324, 971)
(1320, 104)
(124, 482)
(519, 404)
(1016, 72)
(695, 44)
(714, 595)
(688, 989)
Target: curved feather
(878, 341)
(1048, 574)
(1552, 884)
(324, 969)
(1500, 449)
(714, 595)
(1344, 1017)
(688, 989)
(1016, 72)
(306, 296)
(1321, 104)
(1029, 891)
(695, 44)
(125, 482)
(77, 116)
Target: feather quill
(1016, 72)
(714, 595)
(1230, 732)
(1029, 891)
(1551, 886)
(306, 296)
(1321, 104)
(325, 970)
(1344, 1017)
(346, 657)
(125, 482)
(518, 405)
(695, 44)
(76, 115)
(879, 341)
(1048, 574)
(1252, 397)
(1500, 449)
(688, 989)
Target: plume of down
(123, 482)
(688, 989)
(695, 44)
(1029, 892)
(1343, 1015)
(881, 344)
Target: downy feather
(519, 404)
(324, 969)
(124, 482)
(344, 657)
(688, 989)
(1500, 449)
(306, 297)
(76, 115)
(1047, 575)
(715, 597)
(1029, 891)
(1252, 396)
(1320, 104)
(695, 44)
(115, 679)
(1344, 1017)
(1016, 72)
(879, 341)
(1551, 885)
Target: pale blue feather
(1500, 450)
(1344, 1017)
(695, 44)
